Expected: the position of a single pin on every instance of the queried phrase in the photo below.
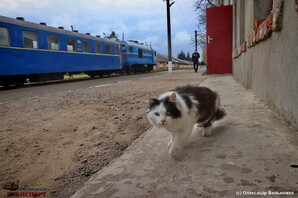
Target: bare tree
(200, 7)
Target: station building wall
(265, 55)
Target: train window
(108, 49)
(146, 52)
(30, 39)
(97, 48)
(140, 53)
(116, 49)
(53, 42)
(123, 48)
(71, 44)
(130, 49)
(86, 46)
(4, 36)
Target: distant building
(162, 62)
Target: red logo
(10, 186)
(125, 56)
(15, 190)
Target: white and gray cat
(177, 111)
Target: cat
(177, 111)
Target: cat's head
(163, 111)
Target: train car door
(154, 56)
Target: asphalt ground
(251, 153)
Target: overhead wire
(182, 20)
(200, 32)
(179, 22)
(188, 23)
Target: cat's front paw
(175, 153)
(200, 124)
(207, 131)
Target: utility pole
(196, 40)
(169, 35)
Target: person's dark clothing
(195, 59)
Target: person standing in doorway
(195, 59)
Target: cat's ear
(151, 101)
(173, 97)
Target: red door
(219, 39)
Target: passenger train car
(37, 52)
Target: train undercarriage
(20, 80)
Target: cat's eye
(157, 114)
(168, 113)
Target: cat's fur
(178, 110)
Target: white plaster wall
(270, 68)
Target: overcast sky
(142, 20)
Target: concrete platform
(251, 151)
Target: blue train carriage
(137, 57)
(37, 52)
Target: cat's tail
(220, 113)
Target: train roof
(136, 44)
(51, 29)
